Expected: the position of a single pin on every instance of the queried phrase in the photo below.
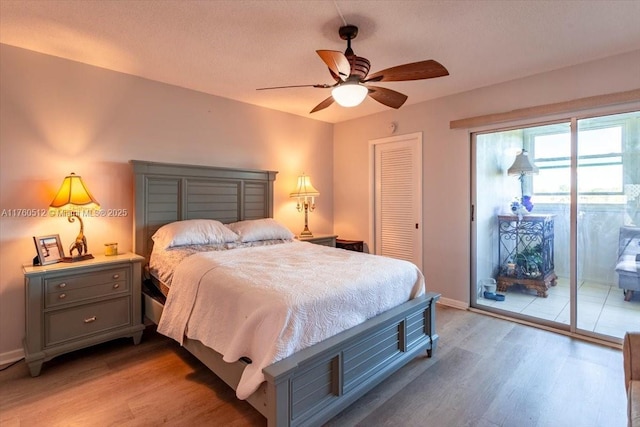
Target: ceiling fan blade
(324, 104)
(322, 86)
(388, 97)
(413, 71)
(337, 62)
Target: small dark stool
(350, 245)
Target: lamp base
(306, 232)
(76, 258)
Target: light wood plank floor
(486, 372)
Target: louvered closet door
(398, 197)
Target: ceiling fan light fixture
(349, 94)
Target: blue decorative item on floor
(493, 296)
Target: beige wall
(58, 116)
(447, 159)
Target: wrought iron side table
(525, 252)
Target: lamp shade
(73, 195)
(349, 93)
(522, 166)
(304, 188)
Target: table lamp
(522, 166)
(306, 194)
(72, 198)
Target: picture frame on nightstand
(49, 249)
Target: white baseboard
(454, 303)
(11, 356)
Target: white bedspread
(266, 303)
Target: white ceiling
(231, 47)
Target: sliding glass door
(552, 206)
(608, 224)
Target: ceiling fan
(351, 73)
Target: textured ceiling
(230, 48)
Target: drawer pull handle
(62, 296)
(116, 286)
(62, 285)
(116, 276)
(90, 319)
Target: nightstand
(320, 239)
(69, 306)
(350, 245)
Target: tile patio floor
(601, 308)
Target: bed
(317, 382)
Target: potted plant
(529, 261)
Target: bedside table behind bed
(320, 239)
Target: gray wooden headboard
(167, 192)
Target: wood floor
(486, 372)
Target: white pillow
(260, 229)
(628, 263)
(193, 232)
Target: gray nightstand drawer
(54, 299)
(78, 322)
(77, 281)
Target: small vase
(526, 202)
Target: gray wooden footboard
(313, 385)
